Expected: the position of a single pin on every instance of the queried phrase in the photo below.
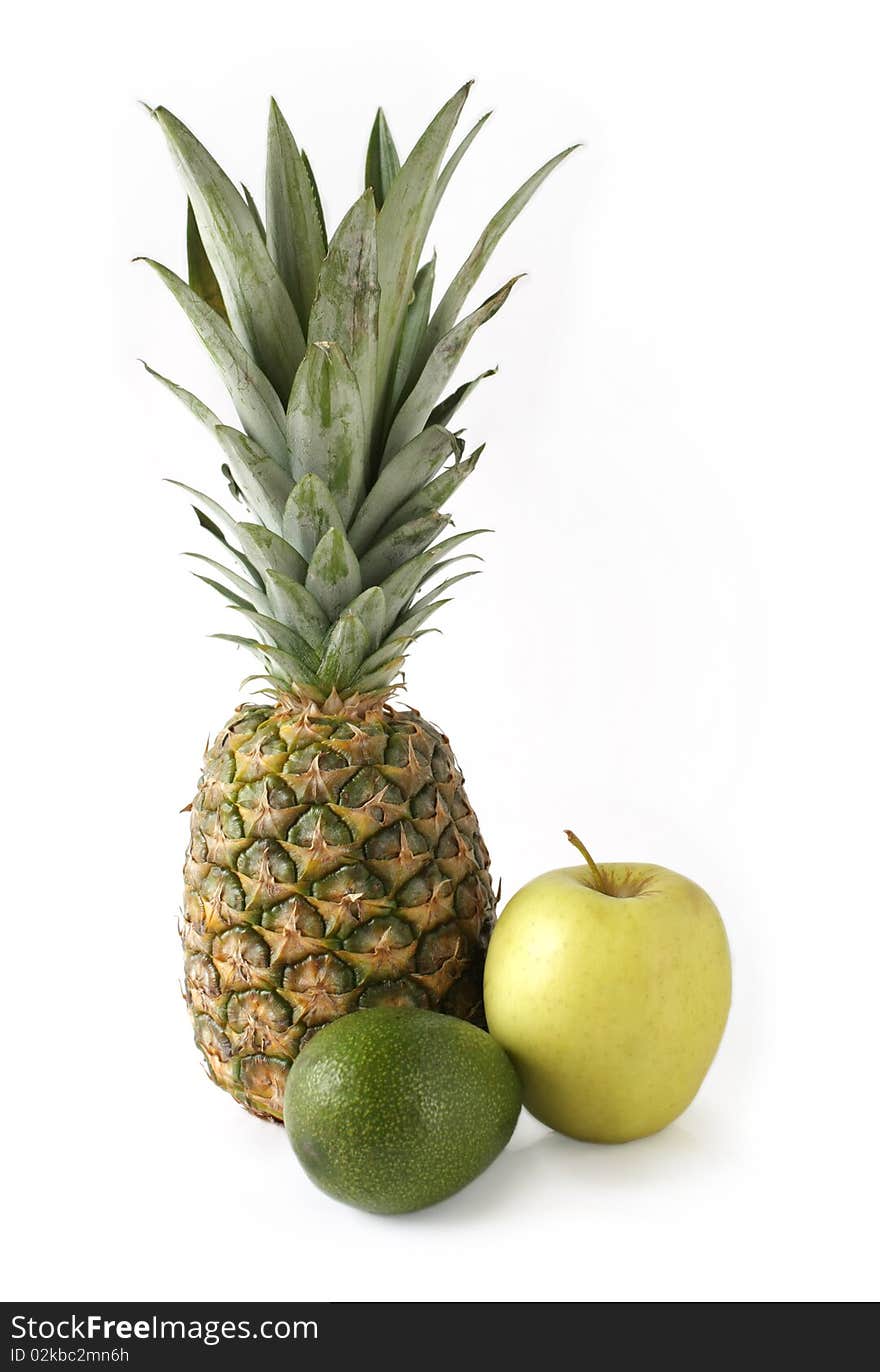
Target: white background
(673, 648)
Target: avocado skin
(392, 1109)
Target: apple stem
(597, 875)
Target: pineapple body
(334, 864)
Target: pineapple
(334, 861)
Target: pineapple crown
(338, 369)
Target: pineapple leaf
(207, 523)
(254, 596)
(442, 413)
(232, 598)
(285, 638)
(318, 206)
(437, 371)
(193, 404)
(403, 583)
(432, 595)
(259, 307)
(291, 667)
(271, 552)
(403, 225)
(369, 607)
(435, 494)
(334, 576)
(346, 308)
(264, 485)
(223, 517)
(406, 473)
(449, 561)
(406, 627)
(296, 606)
(325, 426)
(347, 646)
(295, 236)
(454, 159)
(309, 513)
(401, 545)
(448, 310)
(387, 653)
(244, 562)
(258, 407)
(234, 488)
(277, 684)
(252, 206)
(383, 163)
(375, 681)
(392, 651)
(412, 333)
(199, 270)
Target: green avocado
(393, 1109)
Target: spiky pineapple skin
(334, 864)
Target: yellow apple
(609, 987)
